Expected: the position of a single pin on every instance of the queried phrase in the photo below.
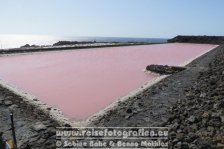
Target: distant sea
(15, 41)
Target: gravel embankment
(34, 129)
(197, 121)
(66, 47)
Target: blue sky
(113, 18)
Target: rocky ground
(197, 121)
(190, 102)
(164, 69)
(34, 129)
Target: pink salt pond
(83, 82)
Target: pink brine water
(82, 82)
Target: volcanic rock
(164, 69)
